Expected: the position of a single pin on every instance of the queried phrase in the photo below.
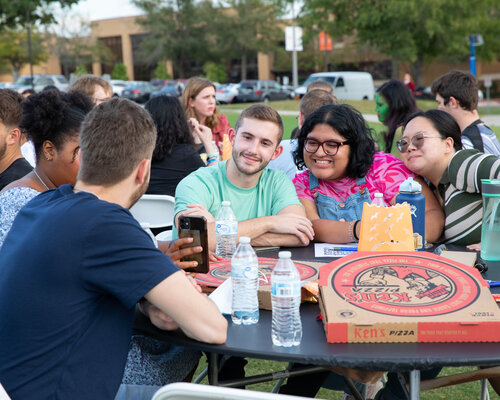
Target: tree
(247, 27)
(119, 72)
(215, 72)
(19, 12)
(415, 31)
(81, 70)
(179, 31)
(161, 72)
(14, 49)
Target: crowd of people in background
(72, 254)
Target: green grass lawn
(290, 121)
(467, 391)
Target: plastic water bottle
(378, 200)
(411, 192)
(285, 297)
(226, 231)
(244, 278)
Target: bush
(119, 72)
(215, 72)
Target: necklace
(40, 179)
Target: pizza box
(373, 297)
(221, 270)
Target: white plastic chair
(193, 391)
(156, 210)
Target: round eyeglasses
(330, 147)
(417, 140)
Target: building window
(114, 43)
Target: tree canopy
(415, 31)
(14, 49)
(15, 12)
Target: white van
(346, 85)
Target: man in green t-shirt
(263, 200)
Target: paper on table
(334, 250)
(222, 297)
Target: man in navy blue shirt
(75, 264)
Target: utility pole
(30, 53)
(295, 69)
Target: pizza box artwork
(221, 270)
(373, 297)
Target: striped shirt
(460, 187)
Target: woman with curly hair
(174, 156)
(199, 102)
(344, 171)
(51, 119)
(393, 104)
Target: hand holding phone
(196, 228)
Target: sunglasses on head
(417, 141)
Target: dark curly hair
(53, 115)
(171, 124)
(350, 124)
(401, 104)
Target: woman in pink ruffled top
(344, 171)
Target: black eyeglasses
(417, 140)
(330, 147)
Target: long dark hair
(350, 124)
(401, 105)
(171, 125)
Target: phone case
(198, 231)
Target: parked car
(161, 83)
(260, 90)
(347, 85)
(170, 90)
(138, 91)
(227, 94)
(118, 86)
(23, 82)
(59, 81)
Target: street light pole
(30, 53)
(295, 69)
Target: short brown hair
(315, 99)
(115, 137)
(320, 84)
(262, 112)
(87, 84)
(461, 85)
(193, 87)
(10, 107)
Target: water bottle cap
(244, 239)
(490, 187)
(410, 186)
(226, 203)
(377, 194)
(285, 254)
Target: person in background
(457, 94)
(96, 88)
(28, 92)
(51, 119)
(309, 103)
(89, 263)
(174, 156)
(320, 84)
(12, 163)
(199, 102)
(409, 83)
(344, 172)
(393, 104)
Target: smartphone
(195, 227)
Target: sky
(103, 9)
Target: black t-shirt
(167, 173)
(15, 171)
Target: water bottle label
(226, 228)
(244, 272)
(279, 289)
